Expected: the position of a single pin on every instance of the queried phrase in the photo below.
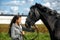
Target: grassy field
(42, 36)
(43, 33)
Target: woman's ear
(17, 20)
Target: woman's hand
(22, 33)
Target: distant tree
(22, 13)
(18, 13)
(2, 13)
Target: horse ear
(36, 4)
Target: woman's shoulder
(13, 25)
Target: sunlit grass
(4, 36)
(43, 33)
(5, 27)
(29, 36)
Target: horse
(51, 19)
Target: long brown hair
(13, 21)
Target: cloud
(3, 11)
(48, 5)
(23, 2)
(14, 9)
(14, 3)
(27, 9)
(29, 1)
(55, 4)
(17, 2)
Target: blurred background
(9, 8)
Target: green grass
(4, 36)
(41, 36)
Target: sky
(23, 6)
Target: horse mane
(46, 10)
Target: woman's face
(18, 20)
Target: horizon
(7, 20)
(23, 6)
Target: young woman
(16, 30)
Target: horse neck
(45, 22)
(48, 20)
(46, 16)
